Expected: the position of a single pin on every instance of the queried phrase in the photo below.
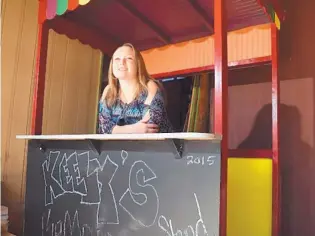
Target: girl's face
(124, 63)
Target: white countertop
(155, 136)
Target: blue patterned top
(125, 114)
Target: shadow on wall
(295, 167)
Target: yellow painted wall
(249, 197)
(19, 35)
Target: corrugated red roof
(149, 23)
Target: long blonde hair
(143, 77)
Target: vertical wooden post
(221, 100)
(276, 209)
(40, 71)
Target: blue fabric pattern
(126, 114)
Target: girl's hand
(144, 127)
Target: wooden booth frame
(272, 10)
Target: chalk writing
(124, 156)
(68, 226)
(74, 176)
(63, 172)
(89, 177)
(70, 174)
(61, 227)
(116, 195)
(53, 189)
(79, 174)
(108, 203)
(199, 227)
(137, 194)
(203, 160)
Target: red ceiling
(105, 24)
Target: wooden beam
(40, 72)
(202, 14)
(275, 100)
(132, 10)
(221, 100)
(250, 153)
(233, 65)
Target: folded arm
(157, 109)
(105, 122)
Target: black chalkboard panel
(134, 188)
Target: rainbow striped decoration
(59, 7)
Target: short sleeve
(105, 121)
(158, 114)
